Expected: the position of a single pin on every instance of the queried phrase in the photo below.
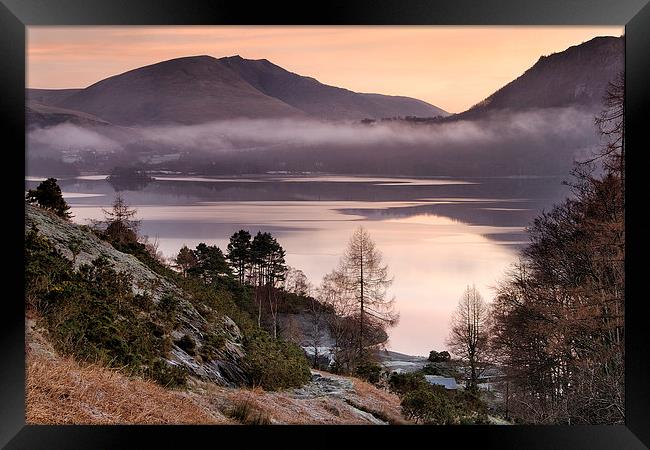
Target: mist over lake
(436, 234)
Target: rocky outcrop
(224, 367)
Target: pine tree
(211, 264)
(48, 196)
(239, 253)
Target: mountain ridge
(199, 89)
(576, 76)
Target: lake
(436, 234)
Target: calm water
(437, 235)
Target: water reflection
(437, 235)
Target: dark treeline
(558, 318)
(257, 263)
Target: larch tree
(119, 222)
(559, 325)
(333, 293)
(468, 337)
(611, 127)
(367, 280)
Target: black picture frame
(15, 15)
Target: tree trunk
(361, 315)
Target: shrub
(45, 269)
(275, 364)
(143, 302)
(94, 319)
(369, 371)
(212, 343)
(168, 375)
(167, 307)
(470, 408)
(402, 383)
(246, 413)
(187, 344)
(428, 404)
(92, 314)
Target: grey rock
(227, 366)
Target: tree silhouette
(48, 196)
(366, 279)
(468, 337)
(239, 253)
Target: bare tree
(334, 293)
(611, 127)
(119, 223)
(366, 278)
(468, 337)
(296, 282)
(152, 246)
(316, 330)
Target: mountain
(187, 90)
(538, 124)
(577, 76)
(49, 96)
(200, 89)
(323, 101)
(40, 116)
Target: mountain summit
(199, 89)
(187, 90)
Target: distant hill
(200, 89)
(323, 101)
(577, 76)
(185, 90)
(49, 96)
(538, 124)
(41, 116)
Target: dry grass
(60, 390)
(382, 404)
(247, 410)
(63, 392)
(285, 408)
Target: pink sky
(449, 66)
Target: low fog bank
(544, 141)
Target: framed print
(368, 220)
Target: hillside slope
(189, 90)
(61, 390)
(224, 368)
(577, 76)
(201, 89)
(320, 100)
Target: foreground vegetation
(92, 313)
(556, 325)
(555, 328)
